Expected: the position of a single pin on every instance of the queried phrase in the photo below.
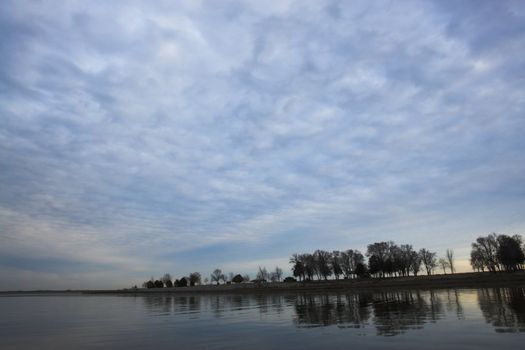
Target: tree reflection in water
(158, 304)
(389, 312)
(503, 308)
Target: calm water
(454, 318)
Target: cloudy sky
(144, 137)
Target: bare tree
(405, 259)
(206, 280)
(497, 252)
(444, 264)
(263, 274)
(429, 260)
(485, 250)
(415, 264)
(322, 263)
(298, 268)
(216, 276)
(336, 263)
(349, 261)
(246, 278)
(476, 261)
(450, 259)
(273, 276)
(278, 273)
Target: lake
(486, 318)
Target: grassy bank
(458, 280)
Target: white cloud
(165, 129)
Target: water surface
(412, 319)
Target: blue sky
(144, 137)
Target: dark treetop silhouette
(384, 259)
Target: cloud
(147, 138)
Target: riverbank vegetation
(494, 253)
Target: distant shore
(457, 280)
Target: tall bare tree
(450, 259)
(429, 260)
(278, 273)
(444, 264)
(322, 263)
(263, 274)
(336, 263)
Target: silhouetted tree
(278, 273)
(429, 260)
(335, 262)
(289, 279)
(216, 276)
(377, 254)
(195, 278)
(349, 261)
(485, 251)
(509, 252)
(273, 276)
(444, 264)
(405, 259)
(168, 284)
(450, 259)
(150, 284)
(166, 278)
(310, 266)
(415, 264)
(476, 260)
(263, 274)
(183, 282)
(158, 284)
(298, 267)
(361, 270)
(322, 263)
(374, 265)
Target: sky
(144, 137)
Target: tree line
(167, 281)
(381, 259)
(497, 253)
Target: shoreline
(457, 280)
